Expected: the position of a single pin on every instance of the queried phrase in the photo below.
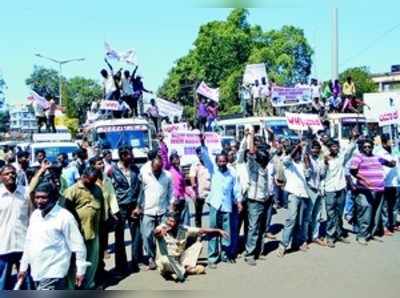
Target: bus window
(230, 130)
(336, 131)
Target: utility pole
(60, 64)
(335, 45)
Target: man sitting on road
(175, 259)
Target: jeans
(294, 211)
(348, 206)
(390, 198)
(257, 215)
(269, 208)
(6, 264)
(49, 284)
(334, 208)
(121, 262)
(219, 248)
(316, 212)
(182, 209)
(149, 223)
(235, 232)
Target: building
(388, 81)
(22, 119)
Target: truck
(111, 134)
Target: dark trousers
(390, 197)
(51, 125)
(368, 209)
(40, 121)
(198, 207)
(121, 262)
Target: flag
(128, 57)
(39, 100)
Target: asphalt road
(349, 270)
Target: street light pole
(60, 64)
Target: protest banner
(303, 122)
(165, 108)
(168, 128)
(128, 56)
(186, 142)
(208, 92)
(388, 118)
(255, 72)
(35, 98)
(110, 105)
(284, 96)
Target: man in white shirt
(14, 216)
(53, 235)
(154, 202)
(295, 173)
(40, 116)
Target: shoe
(152, 265)
(212, 266)
(387, 232)
(281, 251)
(250, 261)
(304, 247)
(199, 269)
(397, 228)
(376, 239)
(321, 242)
(344, 240)
(362, 241)
(330, 244)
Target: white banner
(283, 96)
(388, 118)
(168, 128)
(208, 92)
(165, 108)
(39, 100)
(128, 56)
(304, 121)
(255, 72)
(110, 105)
(186, 142)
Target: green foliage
(73, 125)
(361, 78)
(4, 121)
(77, 93)
(223, 48)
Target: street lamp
(60, 64)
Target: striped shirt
(371, 169)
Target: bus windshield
(53, 152)
(349, 124)
(281, 129)
(113, 137)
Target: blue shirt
(71, 175)
(225, 191)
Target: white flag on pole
(39, 100)
(128, 56)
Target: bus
(340, 126)
(111, 134)
(235, 127)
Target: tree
(45, 81)
(78, 92)
(81, 92)
(223, 48)
(361, 77)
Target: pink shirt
(371, 169)
(178, 183)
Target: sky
(163, 31)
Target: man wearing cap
(52, 236)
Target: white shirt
(50, 242)
(109, 84)
(14, 217)
(391, 174)
(256, 91)
(156, 194)
(315, 91)
(295, 177)
(127, 86)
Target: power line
(373, 43)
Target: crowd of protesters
(53, 211)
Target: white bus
(113, 133)
(235, 127)
(340, 126)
